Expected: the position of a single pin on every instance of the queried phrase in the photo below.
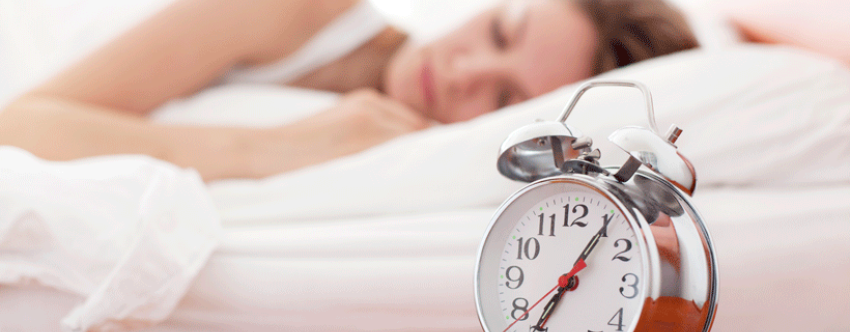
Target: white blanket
(127, 234)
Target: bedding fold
(127, 233)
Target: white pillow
(752, 115)
(249, 105)
(712, 29)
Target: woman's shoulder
(288, 25)
(346, 32)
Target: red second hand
(562, 282)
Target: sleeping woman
(391, 86)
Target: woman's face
(518, 50)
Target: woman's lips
(426, 80)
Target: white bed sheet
(127, 234)
(782, 256)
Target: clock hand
(562, 284)
(564, 280)
(547, 311)
(603, 232)
(532, 307)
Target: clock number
(632, 286)
(530, 253)
(576, 221)
(628, 247)
(551, 225)
(521, 307)
(536, 248)
(619, 317)
(517, 280)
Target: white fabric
(342, 36)
(386, 239)
(262, 105)
(414, 272)
(126, 233)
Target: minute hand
(603, 232)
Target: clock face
(539, 237)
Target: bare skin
(90, 110)
(362, 119)
(98, 106)
(188, 45)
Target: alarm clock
(589, 248)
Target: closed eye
(496, 33)
(504, 98)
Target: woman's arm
(95, 107)
(59, 129)
(187, 46)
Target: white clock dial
(542, 243)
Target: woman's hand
(362, 119)
(366, 118)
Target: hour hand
(565, 283)
(547, 311)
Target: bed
(385, 240)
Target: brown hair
(634, 30)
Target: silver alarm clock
(587, 248)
